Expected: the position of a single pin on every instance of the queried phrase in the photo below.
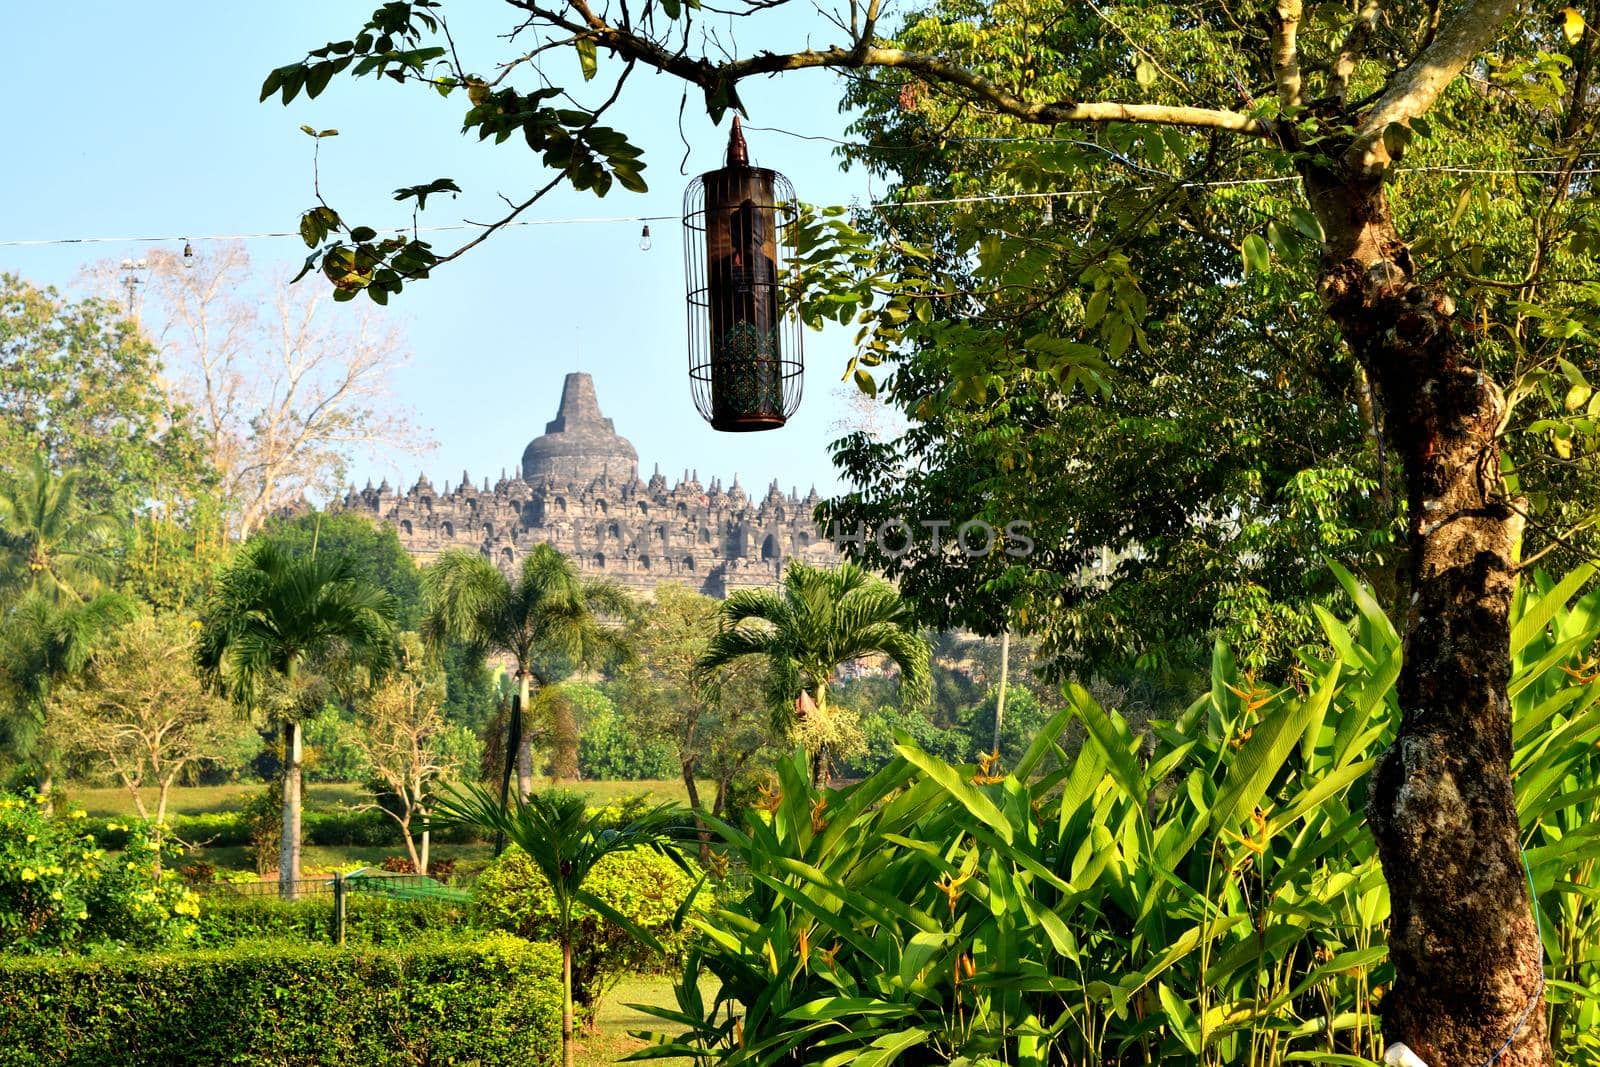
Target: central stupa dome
(579, 444)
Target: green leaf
(587, 58)
(1257, 256)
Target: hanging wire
(886, 205)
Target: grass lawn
(616, 1019)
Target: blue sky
(142, 120)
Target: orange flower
(818, 823)
(950, 886)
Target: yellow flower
(29, 874)
(32, 838)
(83, 914)
(80, 814)
(55, 894)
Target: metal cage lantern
(745, 366)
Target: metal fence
(337, 890)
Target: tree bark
(523, 744)
(1468, 983)
(513, 744)
(692, 788)
(566, 1000)
(289, 848)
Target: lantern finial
(738, 151)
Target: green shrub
(59, 890)
(492, 1001)
(226, 920)
(646, 887)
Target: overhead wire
(878, 205)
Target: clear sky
(142, 120)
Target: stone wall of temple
(579, 490)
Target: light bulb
(188, 253)
(1049, 211)
(644, 238)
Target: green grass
(616, 1019)
(113, 801)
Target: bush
(646, 887)
(493, 1001)
(226, 920)
(59, 890)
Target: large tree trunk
(1468, 984)
(289, 847)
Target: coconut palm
(565, 841)
(43, 642)
(548, 614)
(49, 544)
(274, 622)
(818, 621)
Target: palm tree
(565, 841)
(49, 544)
(43, 642)
(820, 620)
(547, 614)
(269, 617)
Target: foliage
(547, 614)
(409, 745)
(1206, 893)
(614, 748)
(51, 543)
(43, 643)
(139, 712)
(490, 1001)
(566, 844)
(271, 611)
(226, 920)
(712, 722)
(269, 615)
(646, 887)
(820, 620)
(82, 388)
(373, 549)
(59, 891)
(283, 389)
(330, 757)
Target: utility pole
(1000, 698)
(133, 271)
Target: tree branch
(1467, 32)
(1355, 43)
(711, 76)
(1285, 53)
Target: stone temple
(579, 489)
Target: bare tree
(286, 388)
(140, 713)
(409, 744)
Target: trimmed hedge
(492, 1001)
(225, 920)
(333, 829)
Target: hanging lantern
(744, 333)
